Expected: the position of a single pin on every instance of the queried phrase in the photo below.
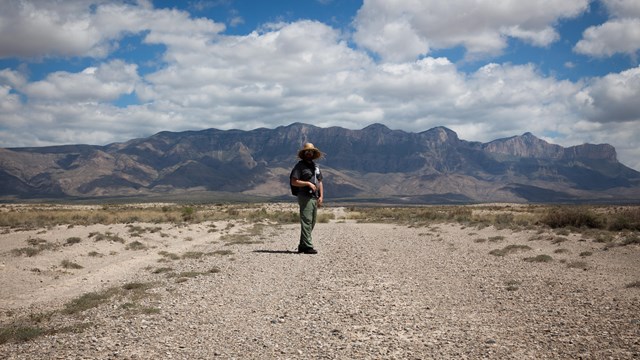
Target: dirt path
(373, 291)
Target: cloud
(104, 83)
(613, 98)
(614, 36)
(32, 29)
(620, 34)
(402, 30)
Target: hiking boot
(306, 250)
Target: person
(306, 180)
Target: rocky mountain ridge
(371, 164)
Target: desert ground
(226, 282)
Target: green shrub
(575, 217)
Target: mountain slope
(371, 164)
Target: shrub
(635, 284)
(509, 250)
(73, 240)
(88, 301)
(577, 265)
(628, 219)
(539, 258)
(631, 239)
(19, 333)
(107, 236)
(70, 265)
(136, 245)
(576, 217)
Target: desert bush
(578, 265)
(19, 333)
(586, 253)
(575, 217)
(633, 239)
(26, 251)
(635, 284)
(509, 249)
(89, 301)
(169, 256)
(106, 236)
(136, 245)
(539, 258)
(73, 240)
(67, 264)
(628, 219)
(496, 238)
(223, 252)
(37, 245)
(162, 270)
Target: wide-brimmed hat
(309, 146)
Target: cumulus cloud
(614, 36)
(620, 34)
(40, 28)
(401, 30)
(104, 83)
(613, 98)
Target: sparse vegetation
(37, 246)
(578, 265)
(539, 259)
(574, 217)
(169, 256)
(73, 240)
(635, 284)
(136, 245)
(509, 249)
(66, 264)
(108, 236)
(88, 301)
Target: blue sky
(96, 72)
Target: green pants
(308, 213)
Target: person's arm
(301, 183)
(321, 191)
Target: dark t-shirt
(305, 171)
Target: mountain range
(374, 164)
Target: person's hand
(320, 200)
(313, 186)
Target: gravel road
(374, 291)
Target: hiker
(306, 183)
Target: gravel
(374, 291)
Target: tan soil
(373, 291)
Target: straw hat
(309, 146)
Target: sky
(97, 71)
